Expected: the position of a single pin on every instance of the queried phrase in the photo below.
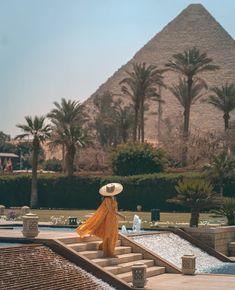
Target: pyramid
(194, 26)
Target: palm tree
(140, 84)
(224, 100)
(123, 120)
(67, 118)
(219, 169)
(180, 91)
(228, 209)
(72, 137)
(104, 124)
(36, 129)
(67, 112)
(190, 64)
(4, 138)
(195, 194)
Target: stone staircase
(121, 266)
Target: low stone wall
(217, 238)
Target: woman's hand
(121, 216)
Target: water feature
(8, 245)
(171, 247)
(48, 228)
(136, 228)
(124, 230)
(136, 224)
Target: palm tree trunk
(186, 125)
(135, 124)
(63, 158)
(124, 136)
(194, 217)
(34, 193)
(221, 186)
(185, 137)
(159, 120)
(142, 119)
(226, 121)
(138, 133)
(70, 154)
(231, 221)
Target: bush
(137, 158)
(228, 209)
(52, 165)
(59, 191)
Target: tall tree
(123, 120)
(180, 91)
(4, 138)
(160, 102)
(140, 84)
(104, 122)
(73, 137)
(190, 64)
(36, 129)
(223, 98)
(67, 119)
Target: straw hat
(111, 189)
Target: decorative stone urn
(188, 264)
(2, 209)
(24, 210)
(30, 225)
(139, 275)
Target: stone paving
(197, 282)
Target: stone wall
(217, 238)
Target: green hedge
(58, 191)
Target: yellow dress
(103, 224)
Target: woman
(104, 222)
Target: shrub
(59, 191)
(196, 194)
(228, 209)
(52, 165)
(137, 158)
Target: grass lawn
(166, 218)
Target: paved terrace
(161, 282)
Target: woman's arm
(120, 215)
(109, 205)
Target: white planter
(30, 225)
(188, 264)
(139, 275)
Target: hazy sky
(51, 49)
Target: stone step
(77, 239)
(98, 253)
(126, 267)
(79, 246)
(121, 259)
(93, 245)
(151, 271)
(92, 254)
